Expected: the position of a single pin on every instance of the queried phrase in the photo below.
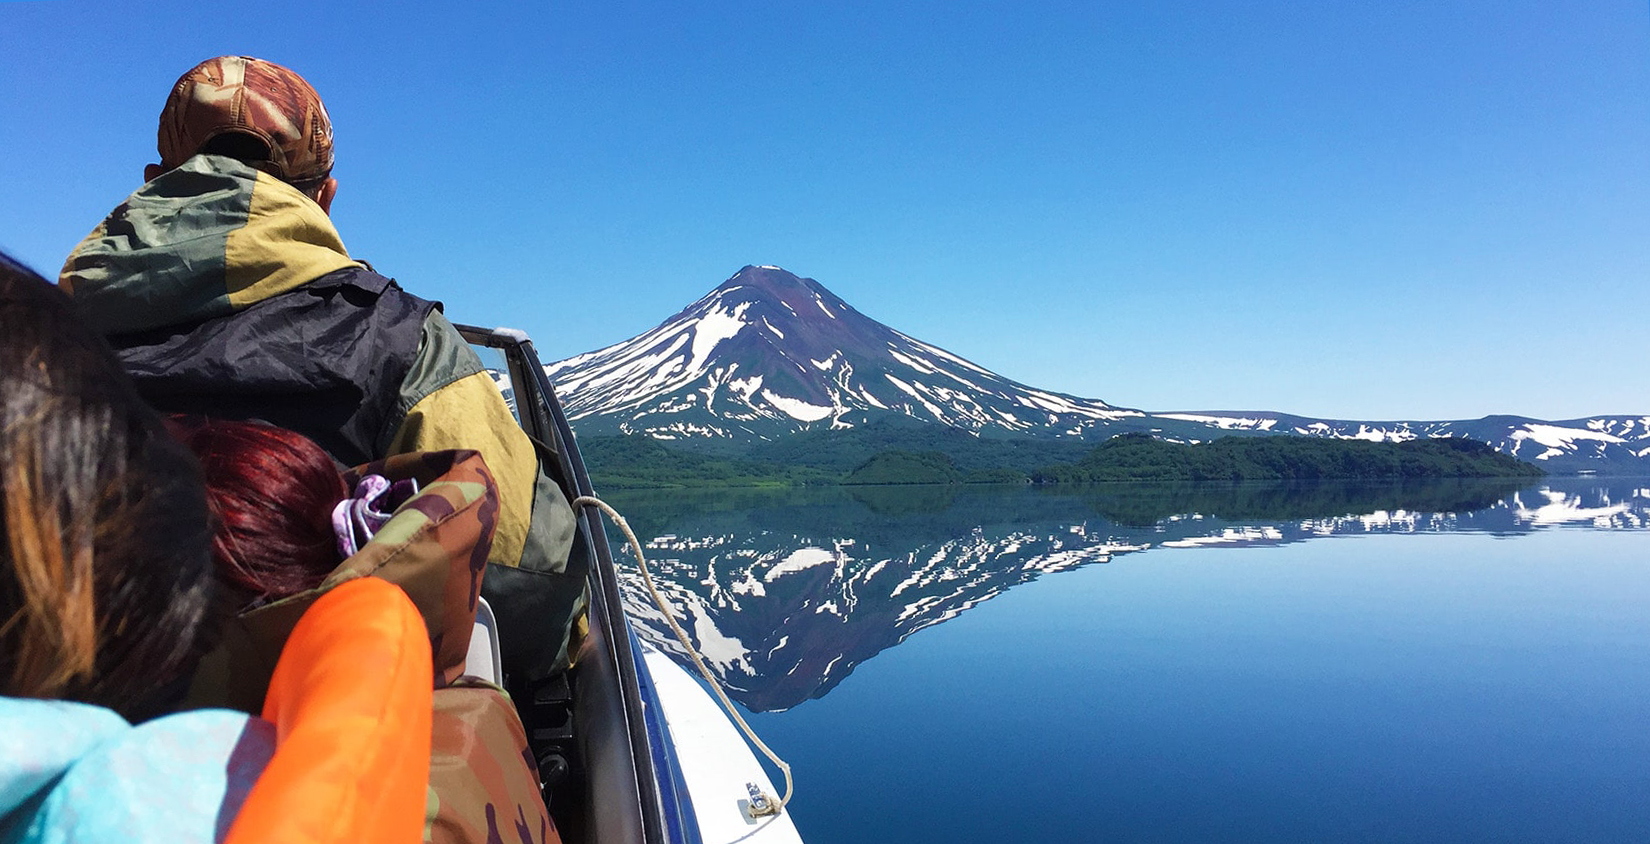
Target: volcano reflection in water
(785, 592)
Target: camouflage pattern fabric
(484, 786)
(435, 548)
(483, 783)
(254, 97)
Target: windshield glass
(493, 360)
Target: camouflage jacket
(435, 547)
(484, 786)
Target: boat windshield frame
(616, 777)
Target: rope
(761, 803)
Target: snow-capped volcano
(767, 353)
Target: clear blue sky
(1373, 211)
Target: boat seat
(484, 660)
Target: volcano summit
(768, 353)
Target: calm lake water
(1444, 662)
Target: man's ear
(323, 197)
(152, 171)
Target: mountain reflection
(785, 592)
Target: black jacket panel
(326, 359)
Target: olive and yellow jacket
(226, 292)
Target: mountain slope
(767, 354)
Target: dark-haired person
(289, 528)
(107, 584)
(107, 604)
(227, 292)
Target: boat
(631, 747)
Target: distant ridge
(1613, 444)
(767, 354)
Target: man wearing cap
(226, 291)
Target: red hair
(271, 492)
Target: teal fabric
(72, 773)
(39, 741)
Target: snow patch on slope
(801, 559)
(712, 329)
(1225, 423)
(796, 408)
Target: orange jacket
(351, 702)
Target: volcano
(768, 353)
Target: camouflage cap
(253, 97)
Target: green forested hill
(924, 455)
(844, 450)
(643, 462)
(906, 467)
(1140, 457)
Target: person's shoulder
(74, 729)
(172, 779)
(359, 274)
(384, 294)
(365, 274)
(441, 340)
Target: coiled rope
(761, 803)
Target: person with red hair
(289, 531)
(271, 492)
